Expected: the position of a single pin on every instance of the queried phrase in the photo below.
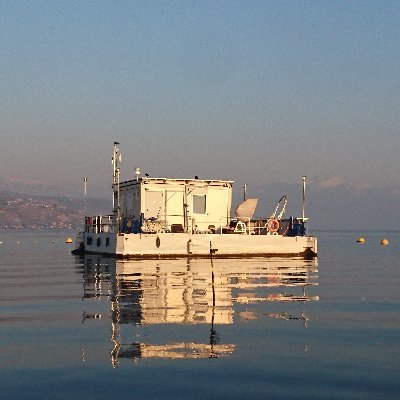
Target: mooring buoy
(384, 242)
(360, 240)
(68, 240)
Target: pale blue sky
(254, 91)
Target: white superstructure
(164, 217)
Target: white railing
(242, 225)
(99, 223)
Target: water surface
(281, 329)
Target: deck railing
(243, 226)
(99, 223)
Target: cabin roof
(216, 182)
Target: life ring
(273, 225)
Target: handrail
(244, 225)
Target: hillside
(21, 211)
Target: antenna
(137, 173)
(84, 195)
(304, 194)
(118, 204)
(116, 159)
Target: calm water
(94, 328)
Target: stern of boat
(79, 243)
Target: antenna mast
(116, 159)
(304, 195)
(84, 195)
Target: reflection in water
(191, 292)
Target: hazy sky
(254, 91)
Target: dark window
(199, 204)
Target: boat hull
(178, 245)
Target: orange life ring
(273, 225)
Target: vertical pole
(84, 195)
(304, 195)
(118, 204)
(115, 160)
(185, 210)
(115, 167)
(244, 192)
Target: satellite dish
(244, 211)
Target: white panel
(154, 204)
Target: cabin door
(154, 204)
(174, 207)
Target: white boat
(174, 218)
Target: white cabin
(172, 205)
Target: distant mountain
(22, 211)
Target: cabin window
(199, 204)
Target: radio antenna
(85, 195)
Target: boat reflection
(191, 292)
